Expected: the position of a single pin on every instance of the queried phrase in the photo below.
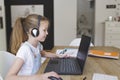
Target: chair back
(6, 60)
(1, 77)
(77, 41)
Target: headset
(35, 31)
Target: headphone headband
(39, 18)
(35, 31)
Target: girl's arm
(12, 74)
(53, 55)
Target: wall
(65, 13)
(2, 31)
(101, 15)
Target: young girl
(25, 41)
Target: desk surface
(93, 65)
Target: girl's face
(43, 31)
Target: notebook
(104, 54)
(71, 66)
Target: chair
(1, 78)
(6, 60)
(76, 42)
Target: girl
(25, 41)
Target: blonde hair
(21, 28)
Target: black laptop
(71, 66)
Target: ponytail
(18, 36)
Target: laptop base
(64, 66)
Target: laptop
(71, 66)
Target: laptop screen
(83, 50)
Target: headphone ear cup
(34, 32)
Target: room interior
(69, 19)
(78, 20)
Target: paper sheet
(98, 76)
(43, 59)
(72, 52)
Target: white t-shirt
(31, 57)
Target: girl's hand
(63, 55)
(48, 74)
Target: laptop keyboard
(65, 66)
(68, 65)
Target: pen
(64, 50)
(84, 78)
